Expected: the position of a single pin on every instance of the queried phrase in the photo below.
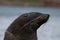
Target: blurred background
(11, 9)
(31, 2)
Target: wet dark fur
(25, 26)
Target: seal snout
(45, 17)
(42, 19)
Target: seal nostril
(48, 15)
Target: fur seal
(25, 26)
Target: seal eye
(25, 15)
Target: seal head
(25, 26)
